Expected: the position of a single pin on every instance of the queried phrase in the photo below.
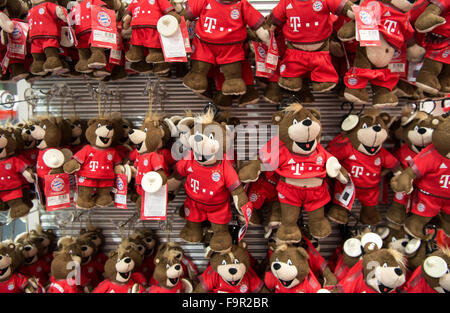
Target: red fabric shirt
(208, 184)
(309, 285)
(169, 161)
(108, 286)
(63, 286)
(212, 282)
(11, 170)
(341, 270)
(306, 21)
(404, 155)
(432, 171)
(223, 22)
(417, 283)
(133, 155)
(43, 21)
(39, 270)
(85, 15)
(41, 168)
(123, 151)
(29, 156)
(364, 169)
(147, 12)
(178, 288)
(101, 258)
(316, 262)
(93, 271)
(97, 163)
(147, 163)
(15, 284)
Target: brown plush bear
(360, 149)
(210, 179)
(370, 63)
(302, 164)
(97, 164)
(151, 243)
(230, 272)
(47, 239)
(416, 132)
(78, 129)
(11, 281)
(429, 171)
(91, 268)
(434, 76)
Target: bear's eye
(364, 125)
(7, 255)
(289, 262)
(416, 128)
(224, 262)
(294, 121)
(211, 136)
(145, 130)
(44, 127)
(236, 261)
(277, 260)
(79, 125)
(99, 125)
(385, 265)
(167, 266)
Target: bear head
(441, 136)
(66, 262)
(30, 247)
(88, 249)
(28, 141)
(46, 238)
(150, 240)
(46, 132)
(168, 270)
(417, 130)
(435, 269)
(11, 259)
(150, 137)
(95, 234)
(17, 8)
(8, 145)
(78, 128)
(102, 132)
(122, 262)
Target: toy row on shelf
(297, 42)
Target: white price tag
(368, 35)
(121, 199)
(155, 205)
(173, 46)
(104, 36)
(57, 200)
(397, 67)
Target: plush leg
(319, 226)
(233, 83)
(288, 230)
(85, 198)
(445, 221)
(196, 80)
(221, 240)
(383, 97)
(273, 93)
(52, 62)
(103, 197)
(338, 214)
(82, 64)
(305, 95)
(18, 208)
(192, 232)
(257, 217)
(154, 56)
(290, 83)
(161, 69)
(37, 67)
(222, 101)
(97, 59)
(414, 225)
(135, 54)
(396, 213)
(274, 214)
(369, 215)
(138, 202)
(251, 96)
(444, 78)
(18, 71)
(118, 73)
(359, 95)
(427, 79)
(322, 86)
(142, 67)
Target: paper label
(272, 54)
(120, 191)
(366, 23)
(37, 189)
(347, 197)
(154, 205)
(17, 41)
(398, 63)
(5, 64)
(57, 191)
(174, 47)
(104, 31)
(260, 60)
(185, 34)
(247, 209)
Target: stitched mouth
(124, 139)
(29, 260)
(419, 148)
(125, 275)
(202, 158)
(445, 290)
(105, 140)
(1, 150)
(27, 143)
(73, 139)
(306, 146)
(4, 270)
(38, 142)
(286, 283)
(233, 282)
(371, 150)
(384, 289)
(173, 281)
(139, 146)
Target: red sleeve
(270, 153)
(157, 162)
(278, 14)
(194, 8)
(316, 261)
(313, 284)
(443, 4)
(270, 281)
(165, 6)
(336, 6)
(133, 155)
(409, 32)
(341, 149)
(389, 161)
(19, 164)
(413, 285)
(231, 177)
(117, 159)
(139, 278)
(252, 17)
(423, 162)
(20, 281)
(80, 156)
(102, 287)
(131, 7)
(182, 166)
(208, 279)
(255, 282)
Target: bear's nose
(27, 248)
(198, 138)
(1, 257)
(131, 131)
(28, 132)
(127, 260)
(421, 131)
(404, 243)
(109, 127)
(32, 128)
(232, 271)
(398, 271)
(276, 266)
(307, 122)
(377, 128)
(412, 1)
(177, 267)
(83, 248)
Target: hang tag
(271, 60)
(17, 41)
(247, 209)
(260, 60)
(174, 47)
(73, 18)
(104, 31)
(185, 34)
(120, 191)
(73, 188)
(57, 191)
(413, 71)
(115, 56)
(37, 190)
(154, 205)
(398, 64)
(5, 64)
(366, 22)
(347, 197)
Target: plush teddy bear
(11, 280)
(230, 272)
(219, 35)
(432, 275)
(429, 171)
(47, 239)
(361, 152)
(90, 267)
(96, 164)
(433, 77)
(12, 168)
(150, 242)
(98, 238)
(78, 128)
(210, 179)
(370, 63)
(303, 164)
(306, 27)
(417, 131)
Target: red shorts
(197, 212)
(11, 194)
(261, 191)
(39, 44)
(97, 183)
(217, 54)
(357, 78)
(84, 40)
(247, 75)
(401, 198)
(367, 197)
(440, 55)
(428, 205)
(298, 63)
(310, 198)
(147, 37)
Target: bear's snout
(127, 260)
(177, 267)
(422, 130)
(198, 138)
(131, 131)
(377, 128)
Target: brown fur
(11, 251)
(298, 256)
(62, 258)
(444, 254)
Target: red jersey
(108, 286)
(29, 156)
(364, 169)
(41, 168)
(63, 286)
(316, 262)
(340, 270)
(209, 185)
(223, 22)
(417, 283)
(101, 258)
(43, 21)
(123, 151)
(309, 285)
(76, 148)
(405, 155)
(15, 284)
(294, 165)
(169, 161)
(306, 21)
(133, 155)
(178, 288)
(97, 163)
(212, 282)
(432, 172)
(39, 270)
(93, 271)
(146, 13)
(85, 24)
(147, 163)
(11, 170)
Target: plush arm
(240, 198)
(28, 174)
(126, 20)
(72, 166)
(404, 181)
(250, 171)
(335, 170)
(429, 19)
(5, 23)
(60, 14)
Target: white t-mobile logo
(357, 170)
(390, 26)
(295, 23)
(445, 181)
(210, 23)
(93, 165)
(195, 185)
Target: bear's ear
(209, 252)
(303, 252)
(92, 121)
(387, 119)
(277, 117)
(112, 253)
(157, 260)
(315, 113)
(437, 120)
(11, 246)
(350, 122)
(243, 245)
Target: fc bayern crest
(234, 14)
(152, 2)
(41, 11)
(253, 197)
(103, 19)
(110, 157)
(17, 33)
(317, 6)
(57, 185)
(120, 184)
(319, 160)
(215, 176)
(377, 161)
(145, 162)
(261, 52)
(445, 53)
(365, 17)
(243, 289)
(8, 166)
(352, 81)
